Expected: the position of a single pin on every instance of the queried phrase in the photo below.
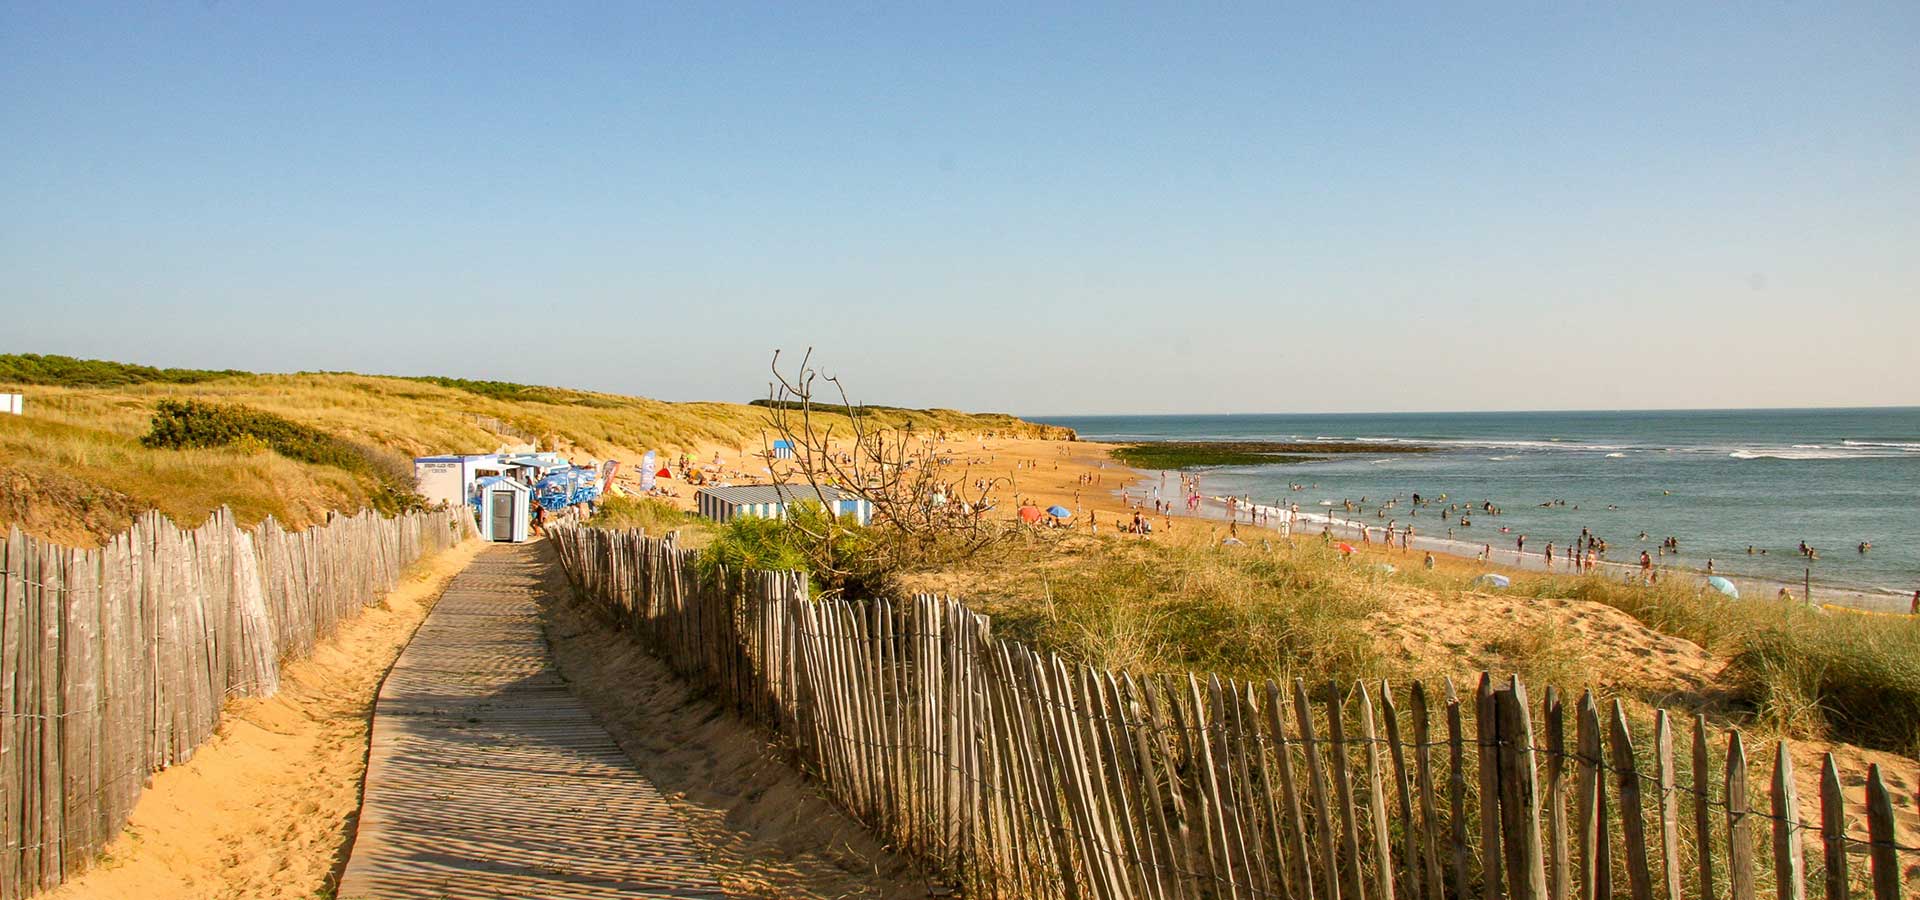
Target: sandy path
(266, 805)
(768, 831)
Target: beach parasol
(1030, 514)
(1723, 586)
(1059, 512)
(1344, 547)
(1493, 580)
(663, 473)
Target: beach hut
(504, 507)
(782, 449)
(13, 404)
(772, 500)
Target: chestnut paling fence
(115, 662)
(1021, 775)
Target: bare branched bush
(926, 500)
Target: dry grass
(73, 469)
(1163, 606)
(1160, 606)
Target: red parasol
(1345, 547)
(1030, 513)
(663, 473)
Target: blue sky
(1034, 208)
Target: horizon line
(1040, 417)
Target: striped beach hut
(782, 449)
(771, 500)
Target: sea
(1719, 481)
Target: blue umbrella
(1723, 586)
(1059, 512)
(1492, 580)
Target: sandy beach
(1082, 476)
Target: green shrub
(840, 558)
(191, 424)
(520, 393)
(67, 371)
(185, 424)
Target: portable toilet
(504, 507)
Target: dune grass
(1161, 606)
(1799, 670)
(80, 438)
(1302, 609)
(656, 517)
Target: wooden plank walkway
(487, 778)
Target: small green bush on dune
(848, 562)
(192, 424)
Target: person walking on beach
(1549, 554)
(1520, 544)
(1914, 610)
(1428, 562)
(1646, 567)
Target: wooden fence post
(1633, 821)
(1519, 796)
(1317, 782)
(1739, 845)
(1789, 859)
(1880, 828)
(1487, 739)
(1429, 809)
(1833, 830)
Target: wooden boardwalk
(487, 778)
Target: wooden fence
(1021, 775)
(115, 662)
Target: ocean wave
(1507, 449)
(1788, 453)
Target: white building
(446, 479)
